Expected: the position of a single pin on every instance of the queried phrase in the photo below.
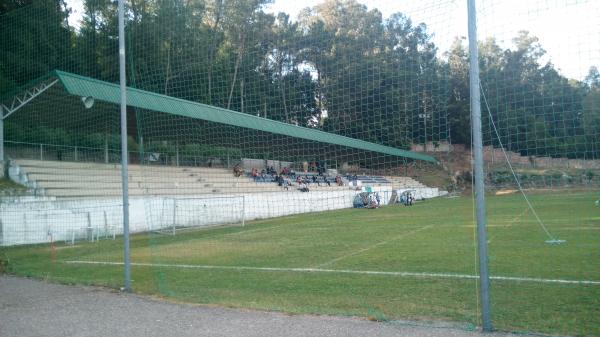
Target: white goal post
(177, 213)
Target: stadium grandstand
(356, 158)
(170, 166)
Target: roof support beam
(20, 100)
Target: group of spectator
(312, 179)
(286, 176)
(367, 200)
(314, 166)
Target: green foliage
(35, 40)
(63, 137)
(535, 125)
(4, 265)
(542, 178)
(9, 185)
(339, 67)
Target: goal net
(280, 128)
(170, 215)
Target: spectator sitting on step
(339, 181)
(304, 187)
(254, 173)
(286, 183)
(321, 170)
(237, 170)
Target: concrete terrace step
(139, 191)
(33, 165)
(84, 184)
(117, 171)
(79, 193)
(43, 177)
(75, 180)
(91, 179)
(404, 182)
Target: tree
(593, 78)
(35, 39)
(459, 101)
(10, 5)
(591, 111)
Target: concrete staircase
(404, 182)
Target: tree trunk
(242, 94)
(285, 109)
(211, 55)
(237, 66)
(168, 70)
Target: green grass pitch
(398, 262)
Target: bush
(3, 264)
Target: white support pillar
(106, 149)
(177, 154)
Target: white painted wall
(31, 221)
(424, 192)
(41, 220)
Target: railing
(46, 151)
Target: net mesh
(263, 212)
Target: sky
(569, 30)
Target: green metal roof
(109, 92)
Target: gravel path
(36, 308)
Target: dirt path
(36, 308)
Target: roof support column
(2, 161)
(124, 153)
(484, 280)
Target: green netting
(86, 87)
(272, 151)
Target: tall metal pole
(2, 168)
(124, 153)
(478, 168)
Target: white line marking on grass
(344, 271)
(252, 230)
(578, 228)
(511, 222)
(401, 236)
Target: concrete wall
(42, 220)
(442, 146)
(424, 193)
(45, 220)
